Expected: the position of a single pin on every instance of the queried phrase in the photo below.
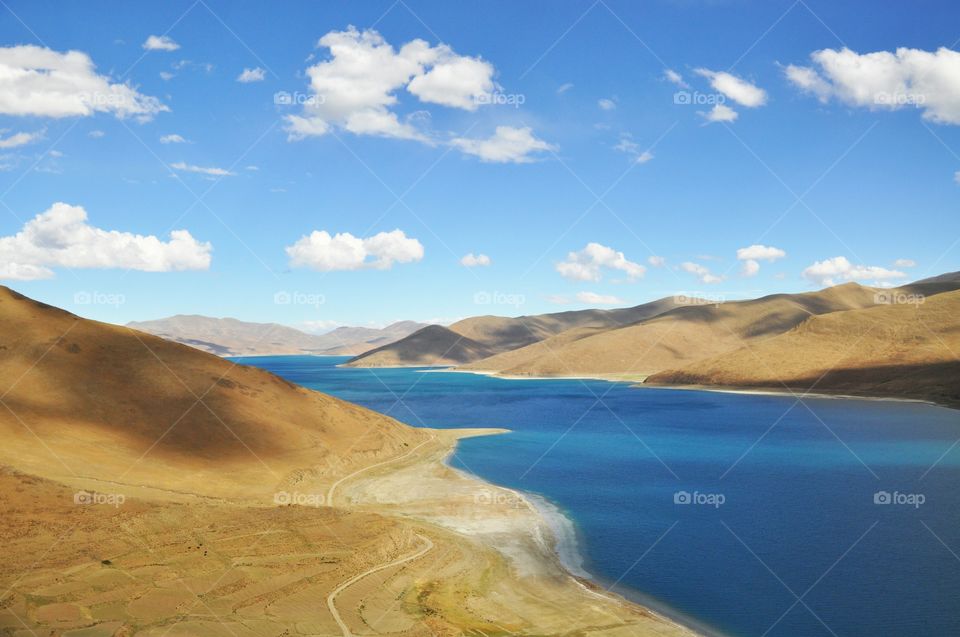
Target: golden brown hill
(88, 402)
(903, 349)
(479, 337)
(674, 338)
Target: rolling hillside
(674, 338)
(230, 337)
(904, 349)
(479, 337)
(93, 402)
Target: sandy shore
(536, 541)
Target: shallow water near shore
(722, 508)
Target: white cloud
(36, 81)
(160, 43)
(167, 76)
(738, 89)
(454, 80)
(472, 260)
(61, 237)
(606, 104)
(593, 298)
(252, 168)
(508, 144)
(558, 299)
(252, 75)
(628, 146)
(838, 269)
(905, 263)
(655, 261)
(356, 87)
(750, 267)
(761, 253)
(173, 138)
(211, 171)
(701, 272)
(883, 80)
(752, 255)
(563, 88)
(720, 113)
(343, 251)
(956, 176)
(672, 76)
(96, 134)
(20, 139)
(587, 264)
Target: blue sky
(568, 143)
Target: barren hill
(902, 349)
(674, 338)
(231, 337)
(478, 337)
(91, 400)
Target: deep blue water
(798, 482)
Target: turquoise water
(787, 492)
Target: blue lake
(782, 534)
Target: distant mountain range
(231, 337)
(844, 339)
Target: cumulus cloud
(36, 81)
(735, 88)
(904, 263)
(210, 171)
(701, 272)
(160, 43)
(356, 87)
(472, 260)
(606, 104)
(61, 237)
(343, 251)
(19, 139)
(672, 76)
(883, 80)
(839, 269)
(252, 75)
(752, 255)
(655, 261)
(173, 138)
(720, 113)
(507, 145)
(592, 298)
(587, 264)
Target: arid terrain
(481, 337)
(230, 337)
(152, 489)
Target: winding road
(331, 598)
(333, 487)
